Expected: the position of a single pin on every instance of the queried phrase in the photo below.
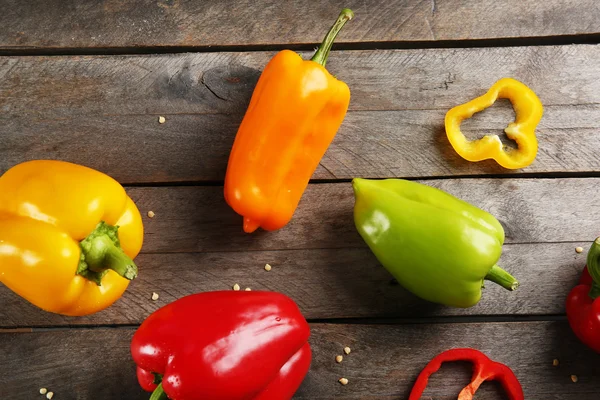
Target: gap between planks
(557, 40)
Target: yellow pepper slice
(68, 235)
(528, 109)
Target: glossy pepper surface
(295, 112)
(437, 246)
(528, 110)
(484, 369)
(68, 235)
(223, 345)
(583, 302)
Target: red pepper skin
(583, 302)
(484, 369)
(224, 345)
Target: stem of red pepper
(502, 278)
(593, 266)
(101, 251)
(159, 393)
(322, 53)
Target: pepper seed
(43, 391)
(161, 120)
(574, 378)
(236, 287)
(49, 395)
(555, 362)
(579, 249)
(267, 267)
(347, 350)
(247, 289)
(154, 296)
(338, 359)
(343, 381)
(151, 214)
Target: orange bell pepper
(295, 112)
(68, 235)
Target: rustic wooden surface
(383, 364)
(186, 23)
(86, 82)
(394, 129)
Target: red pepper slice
(484, 369)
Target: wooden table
(86, 82)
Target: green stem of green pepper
(322, 53)
(159, 393)
(502, 278)
(593, 267)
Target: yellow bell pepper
(528, 109)
(68, 235)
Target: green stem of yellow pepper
(502, 278)
(101, 251)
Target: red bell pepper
(484, 370)
(583, 302)
(223, 345)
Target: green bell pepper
(437, 246)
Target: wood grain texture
(325, 283)
(118, 23)
(384, 362)
(77, 108)
(197, 219)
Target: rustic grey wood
(325, 283)
(385, 361)
(195, 148)
(197, 218)
(116, 23)
(103, 111)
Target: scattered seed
(267, 267)
(338, 359)
(574, 378)
(347, 350)
(49, 395)
(161, 120)
(236, 287)
(151, 214)
(43, 391)
(579, 249)
(343, 381)
(247, 289)
(555, 362)
(154, 296)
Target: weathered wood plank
(192, 219)
(75, 108)
(116, 23)
(325, 283)
(385, 361)
(195, 148)
(420, 79)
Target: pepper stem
(101, 251)
(502, 278)
(593, 258)
(159, 393)
(322, 53)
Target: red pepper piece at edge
(484, 369)
(583, 302)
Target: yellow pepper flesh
(528, 109)
(46, 209)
